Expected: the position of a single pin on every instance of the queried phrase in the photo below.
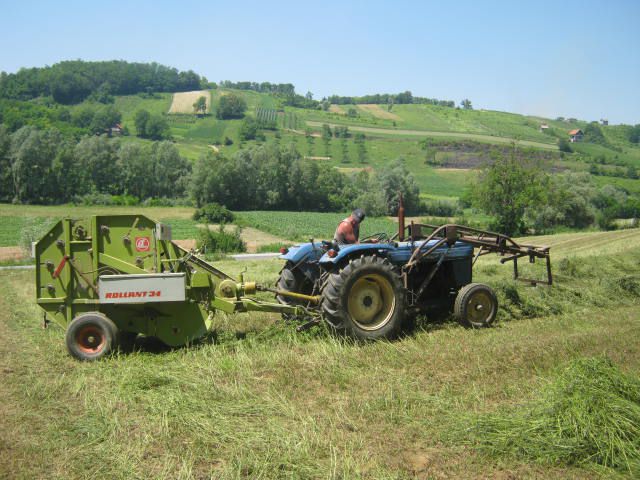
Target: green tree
(157, 127)
(200, 105)
(248, 129)
(326, 139)
(360, 140)
(231, 106)
(507, 188)
(564, 145)
(141, 120)
(33, 152)
(345, 150)
(105, 118)
(98, 159)
(6, 184)
(466, 104)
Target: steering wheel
(376, 237)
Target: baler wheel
(91, 336)
(366, 299)
(476, 305)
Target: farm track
(430, 133)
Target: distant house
(604, 122)
(544, 127)
(116, 129)
(576, 135)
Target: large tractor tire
(476, 306)
(293, 279)
(91, 336)
(365, 299)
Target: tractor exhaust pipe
(401, 219)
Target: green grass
(258, 400)
(588, 413)
(301, 226)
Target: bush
(441, 208)
(106, 199)
(231, 106)
(214, 213)
(221, 241)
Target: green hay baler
(109, 278)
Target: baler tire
(472, 302)
(91, 336)
(348, 296)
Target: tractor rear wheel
(91, 336)
(476, 305)
(293, 279)
(365, 299)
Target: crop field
(301, 226)
(257, 400)
(183, 101)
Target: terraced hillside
(441, 145)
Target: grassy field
(257, 400)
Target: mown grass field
(258, 400)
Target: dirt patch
(186, 244)
(214, 148)
(353, 169)
(317, 158)
(183, 101)
(378, 111)
(336, 109)
(12, 253)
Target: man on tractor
(348, 231)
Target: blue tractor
(372, 289)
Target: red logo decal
(143, 244)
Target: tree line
(73, 81)
(45, 167)
(273, 177)
(388, 98)
(42, 166)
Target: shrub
(213, 213)
(441, 208)
(221, 240)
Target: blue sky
(571, 58)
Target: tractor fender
(357, 250)
(304, 252)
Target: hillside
(441, 146)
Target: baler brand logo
(134, 294)
(143, 244)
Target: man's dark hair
(358, 214)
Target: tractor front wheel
(365, 299)
(476, 306)
(91, 336)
